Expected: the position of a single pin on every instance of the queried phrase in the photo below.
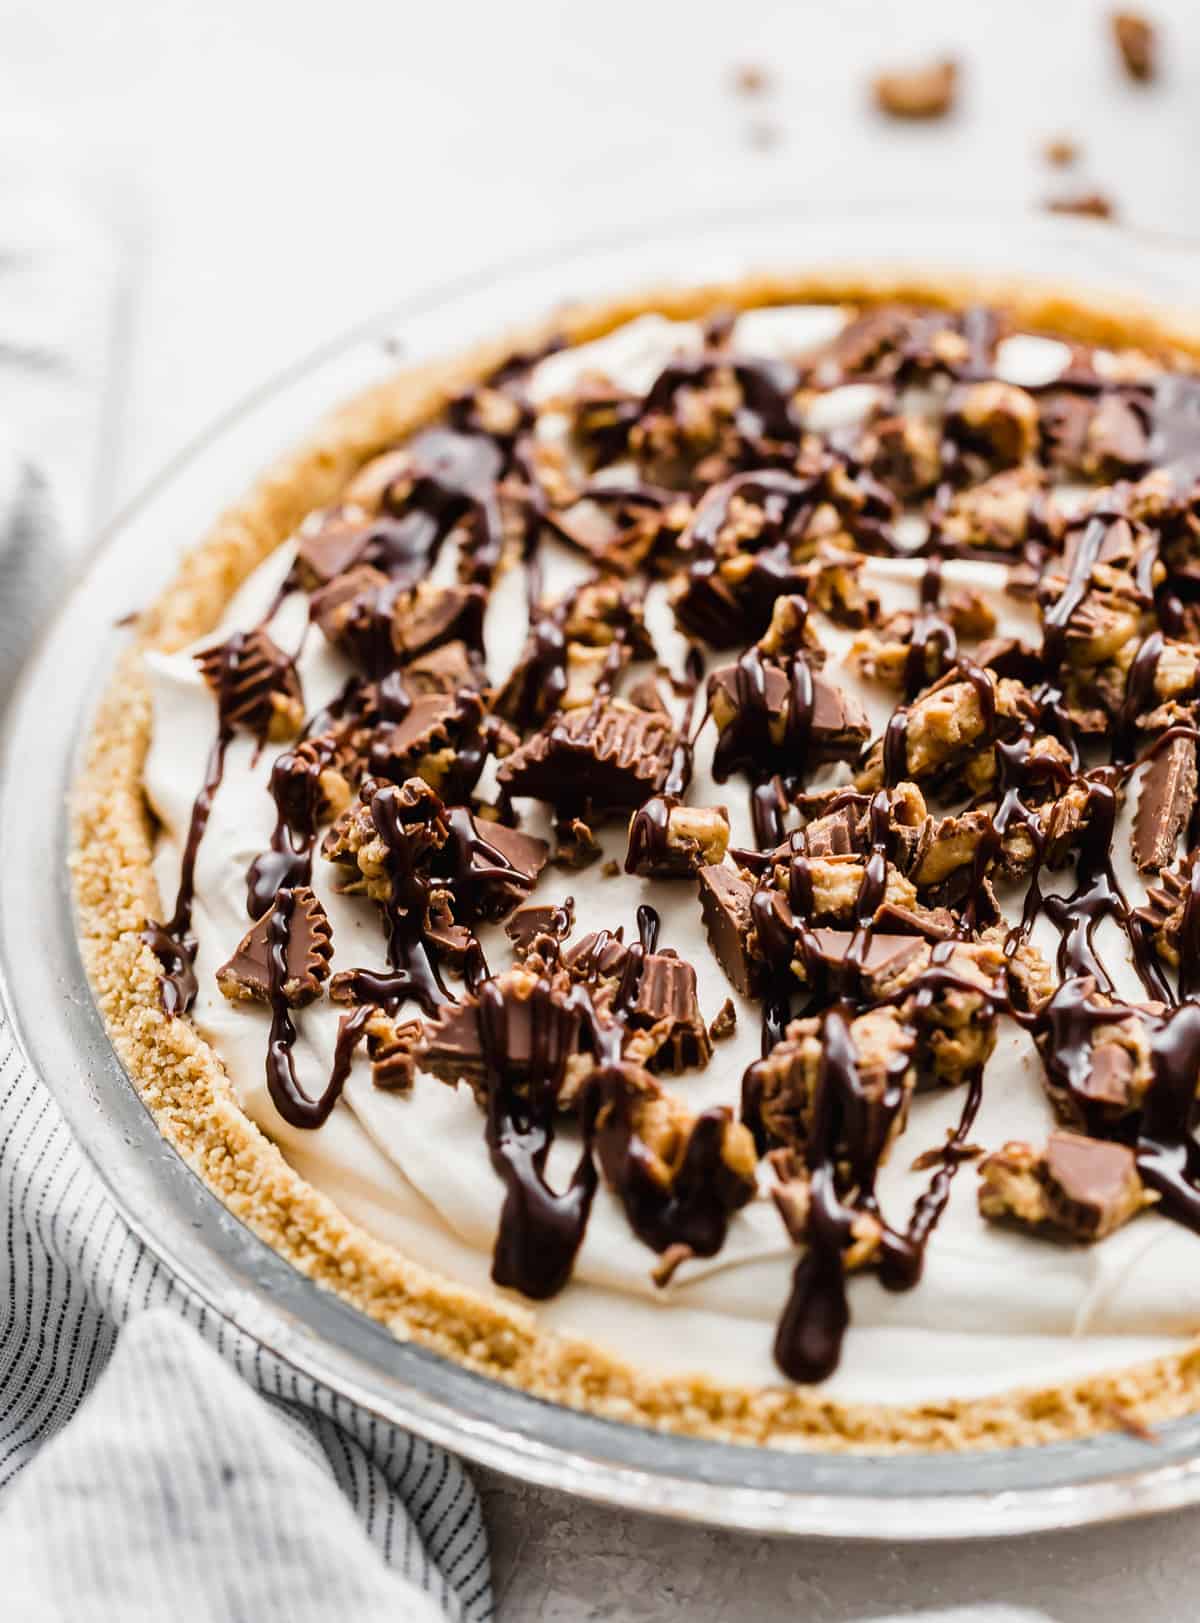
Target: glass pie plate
(770, 1490)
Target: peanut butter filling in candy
(699, 828)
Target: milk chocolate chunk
(930, 923)
(453, 1048)
(1166, 798)
(451, 939)
(391, 1047)
(1077, 1189)
(609, 756)
(666, 1004)
(247, 975)
(725, 907)
(255, 685)
(884, 954)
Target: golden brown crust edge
(181, 1078)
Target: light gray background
(280, 170)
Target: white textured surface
(267, 156)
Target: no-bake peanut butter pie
(659, 861)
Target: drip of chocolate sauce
(648, 830)
(933, 642)
(172, 942)
(289, 1098)
(540, 1229)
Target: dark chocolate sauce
(296, 1106)
(540, 1228)
(933, 647)
(172, 942)
(648, 830)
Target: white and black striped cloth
(199, 1477)
(202, 1478)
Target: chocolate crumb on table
(926, 91)
(1137, 41)
(1093, 205)
(750, 79)
(1061, 151)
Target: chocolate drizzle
(540, 1229)
(172, 942)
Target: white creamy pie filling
(995, 1309)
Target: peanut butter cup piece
(355, 612)
(389, 830)
(610, 756)
(672, 841)
(392, 1047)
(666, 1004)
(1077, 1189)
(444, 669)
(490, 867)
(598, 955)
(756, 730)
(331, 542)
(1166, 797)
(255, 685)
(428, 741)
(247, 975)
(679, 1176)
(779, 1092)
(725, 908)
(1167, 906)
(539, 1028)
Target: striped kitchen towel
(202, 1478)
